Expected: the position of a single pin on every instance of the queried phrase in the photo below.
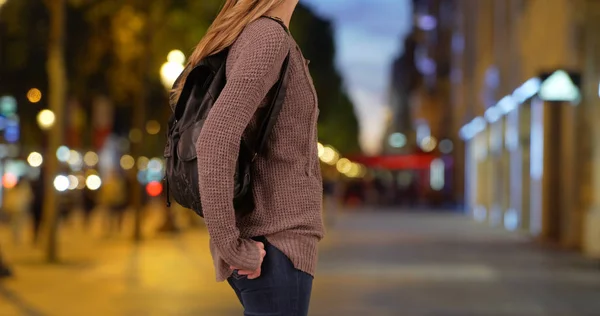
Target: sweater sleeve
(251, 75)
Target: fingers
(245, 272)
(261, 248)
(250, 274)
(254, 275)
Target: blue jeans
(281, 289)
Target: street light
(34, 95)
(45, 118)
(171, 69)
(93, 182)
(35, 159)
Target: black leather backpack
(200, 92)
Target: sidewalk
(443, 264)
(376, 264)
(164, 275)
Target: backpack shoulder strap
(276, 104)
(273, 110)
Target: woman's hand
(254, 274)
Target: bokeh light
(155, 164)
(446, 146)
(35, 159)
(90, 158)
(153, 127)
(73, 182)
(330, 156)
(46, 119)
(61, 183)
(93, 182)
(127, 162)
(135, 135)
(154, 188)
(355, 171)
(428, 143)
(142, 163)
(8, 105)
(397, 140)
(75, 160)
(12, 132)
(80, 182)
(34, 95)
(9, 180)
(176, 56)
(63, 153)
(344, 165)
(172, 68)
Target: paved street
(371, 264)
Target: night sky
(369, 35)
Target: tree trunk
(57, 84)
(139, 123)
(139, 118)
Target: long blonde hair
(225, 29)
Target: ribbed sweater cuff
(241, 254)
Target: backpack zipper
(168, 194)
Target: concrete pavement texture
(376, 263)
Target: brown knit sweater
(287, 184)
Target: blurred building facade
(405, 79)
(530, 153)
(433, 32)
(420, 96)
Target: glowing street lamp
(170, 71)
(35, 159)
(45, 118)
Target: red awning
(396, 162)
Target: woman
(268, 257)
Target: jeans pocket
(236, 276)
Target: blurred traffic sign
(8, 105)
(12, 131)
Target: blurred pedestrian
(37, 208)
(269, 255)
(5, 271)
(379, 191)
(113, 196)
(330, 202)
(89, 203)
(17, 203)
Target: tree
(57, 90)
(135, 37)
(338, 125)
